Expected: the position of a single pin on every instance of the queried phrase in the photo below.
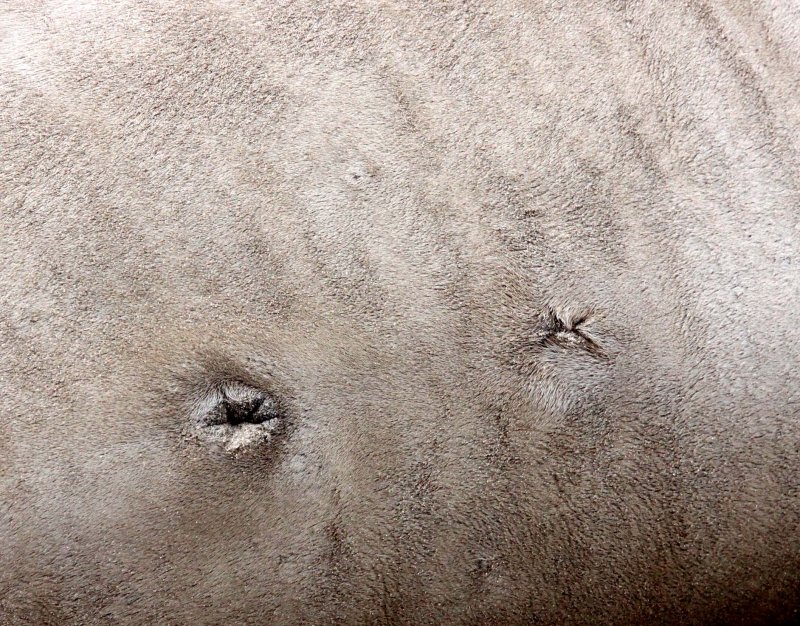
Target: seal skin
(399, 313)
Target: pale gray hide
(514, 284)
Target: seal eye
(256, 410)
(236, 416)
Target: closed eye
(236, 416)
(256, 410)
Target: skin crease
(520, 277)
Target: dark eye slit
(251, 411)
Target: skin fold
(399, 313)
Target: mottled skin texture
(523, 278)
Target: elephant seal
(399, 313)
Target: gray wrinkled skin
(508, 292)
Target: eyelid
(236, 416)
